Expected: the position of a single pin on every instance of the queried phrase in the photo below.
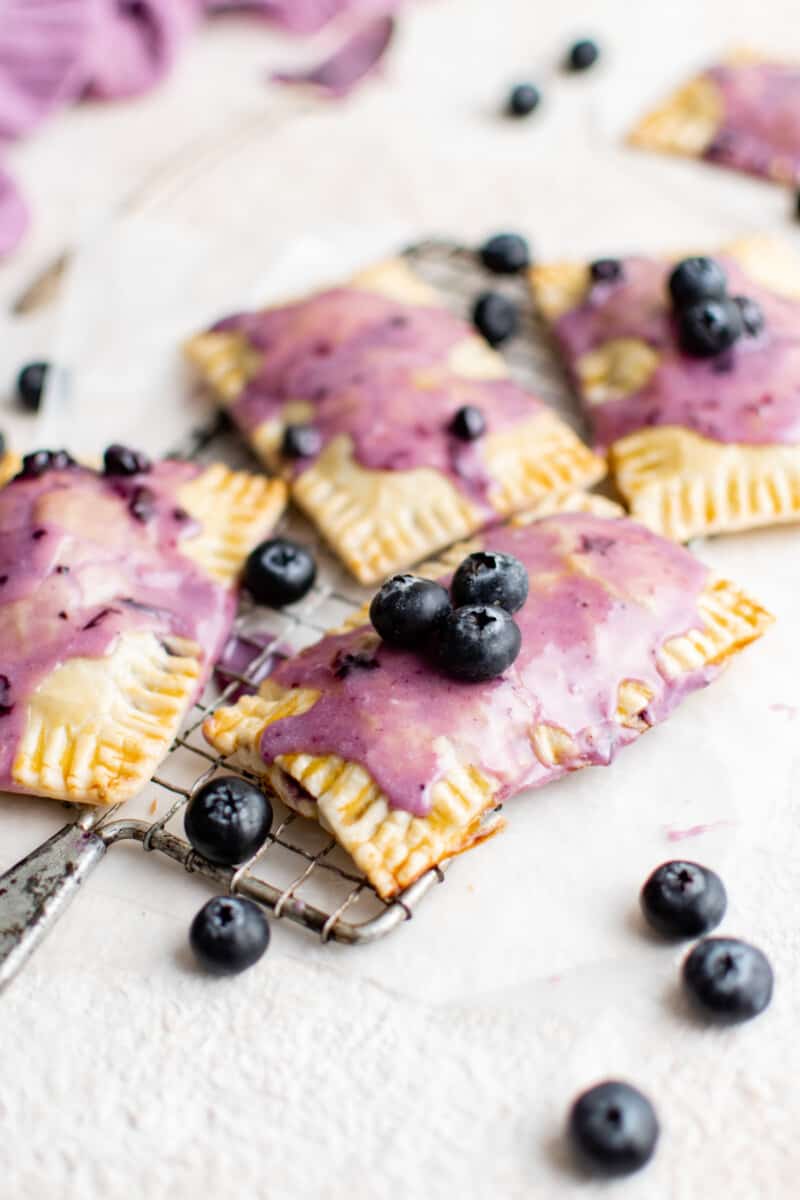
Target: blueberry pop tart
(689, 372)
(398, 427)
(117, 590)
(405, 764)
(742, 113)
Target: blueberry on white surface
(407, 609)
(477, 642)
(523, 99)
(279, 572)
(488, 577)
(505, 254)
(229, 934)
(729, 978)
(613, 1128)
(683, 899)
(227, 820)
(582, 55)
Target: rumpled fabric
(342, 71)
(54, 52)
(134, 45)
(44, 48)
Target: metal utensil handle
(35, 892)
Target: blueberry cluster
(724, 976)
(468, 632)
(710, 321)
(613, 1128)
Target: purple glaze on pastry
(760, 128)
(749, 395)
(605, 596)
(67, 594)
(376, 370)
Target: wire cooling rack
(300, 873)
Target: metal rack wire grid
(300, 873)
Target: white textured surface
(439, 1063)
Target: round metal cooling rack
(300, 873)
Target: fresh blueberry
(227, 820)
(613, 1128)
(751, 314)
(407, 609)
(606, 270)
(709, 327)
(505, 254)
(279, 572)
(582, 55)
(496, 317)
(696, 279)
(729, 978)
(477, 642)
(683, 899)
(229, 934)
(39, 461)
(301, 441)
(468, 423)
(120, 460)
(487, 577)
(30, 385)
(523, 99)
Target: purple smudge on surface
(787, 710)
(681, 835)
